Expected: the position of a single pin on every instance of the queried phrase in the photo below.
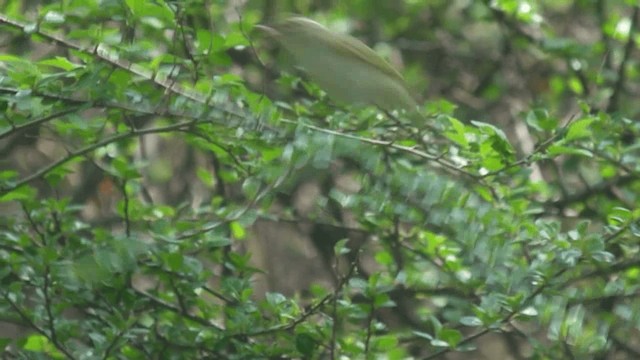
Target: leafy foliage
(171, 188)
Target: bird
(344, 67)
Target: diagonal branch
(106, 54)
(85, 150)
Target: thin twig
(85, 150)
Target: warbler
(344, 67)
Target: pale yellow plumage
(343, 66)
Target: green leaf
(237, 230)
(41, 344)
(459, 133)
(37, 343)
(22, 193)
(603, 256)
(384, 258)
(579, 129)
(423, 335)
(206, 176)
(305, 344)
(439, 343)
(529, 311)
(4, 342)
(204, 41)
(235, 39)
(340, 248)
(60, 62)
(451, 336)
(470, 321)
(490, 130)
(251, 186)
(387, 343)
(619, 216)
(557, 149)
(540, 120)
(498, 143)
(174, 260)
(53, 17)
(275, 299)
(125, 169)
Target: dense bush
(171, 187)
